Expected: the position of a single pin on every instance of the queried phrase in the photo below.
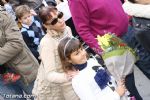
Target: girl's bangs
(73, 46)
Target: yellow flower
(104, 40)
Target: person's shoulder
(91, 60)
(46, 40)
(3, 14)
(36, 18)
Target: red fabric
(10, 77)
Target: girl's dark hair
(45, 13)
(133, 1)
(72, 46)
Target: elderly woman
(51, 82)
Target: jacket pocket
(18, 58)
(22, 63)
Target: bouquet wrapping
(118, 57)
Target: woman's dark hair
(65, 48)
(45, 13)
(133, 1)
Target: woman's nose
(60, 20)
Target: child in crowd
(91, 81)
(31, 30)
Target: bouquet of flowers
(118, 57)
(8, 77)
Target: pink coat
(95, 17)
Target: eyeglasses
(55, 20)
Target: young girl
(92, 82)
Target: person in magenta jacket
(96, 17)
(92, 18)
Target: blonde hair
(22, 10)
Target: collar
(80, 66)
(59, 35)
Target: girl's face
(26, 19)
(78, 57)
(57, 22)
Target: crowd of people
(42, 53)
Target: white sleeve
(137, 10)
(87, 92)
(49, 62)
(108, 94)
(87, 89)
(116, 95)
(83, 90)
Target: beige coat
(51, 82)
(13, 51)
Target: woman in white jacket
(90, 80)
(51, 82)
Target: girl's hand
(121, 89)
(71, 74)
